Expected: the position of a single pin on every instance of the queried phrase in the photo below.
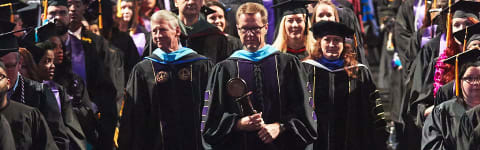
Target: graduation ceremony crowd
(239, 74)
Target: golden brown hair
(29, 64)
(252, 8)
(348, 55)
(325, 2)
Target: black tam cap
(291, 7)
(473, 33)
(323, 28)
(464, 9)
(9, 42)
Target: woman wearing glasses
(440, 127)
(346, 102)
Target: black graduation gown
(74, 129)
(29, 128)
(348, 110)
(279, 77)
(444, 93)
(125, 43)
(75, 89)
(419, 83)
(404, 29)
(105, 80)
(439, 130)
(38, 95)
(6, 137)
(163, 104)
(300, 55)
(468, 132)
(233, 44)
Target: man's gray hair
(165, 15)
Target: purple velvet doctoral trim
(139, 40)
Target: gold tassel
(117, 130)
(465, 40)
(45, 6)
(355, 40)
(457, 92)
(119, 9)
(100, 18)
(449, 23)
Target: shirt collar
(77, 33)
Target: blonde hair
(252, 8)
(280, 42)
(325, 2)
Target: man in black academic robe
(283, 117)
(6, 137)
(162, 110)
(30, 130)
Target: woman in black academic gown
(346, 102)
(440, 127)
(218, 19)
(293, 36)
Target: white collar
(319, 65)
(77, 34)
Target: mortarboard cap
(290, 7)
(459, 60)
(57, 3)
(463, 9)
(9, 8)
(30, 15)
(471, 31)
(323, 28)
(464, 57)
(39, 34)
(9, 42)
(207, 10)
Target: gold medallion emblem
(161, 77)
(184, 74)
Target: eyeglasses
(2, 76)
(251, 29)
(472, 80)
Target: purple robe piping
(75, 46)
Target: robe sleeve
(403, 29)
(40, 133)
(419, 88)
(376, 117)
(221, 117)
(300, 128)
(433, 133)
(134, 122)
(6, 137)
